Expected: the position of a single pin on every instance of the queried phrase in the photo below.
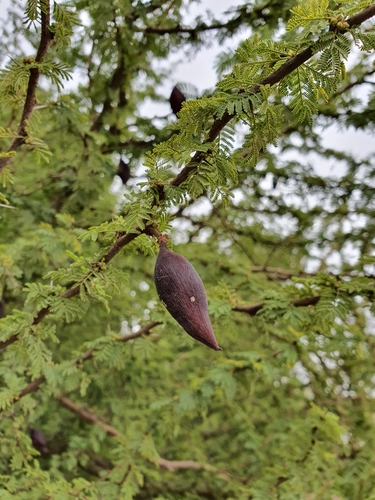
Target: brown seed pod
(182, 292)
(2, 308)
(123, 171)
(176, 99)
(39, 441)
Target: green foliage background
(286, 411)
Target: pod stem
(162, 238)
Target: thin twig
(116, 83)
(159, 30)
(89, 354)
(234, 237)
(87, 415)
(235, 23)
(171, 465)
(45, 42)
(252, 309)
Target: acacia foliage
(130, 406)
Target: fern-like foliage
(32, 11)
(310, 14)
(351, 7)
(65, 19)
(15, 76)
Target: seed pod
(182, 292)
(2, 308)
(39, 441)
(176, 99)
(123, 171)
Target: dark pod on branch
(123, 171)
(182, 292)
(176, 99)
(39, 441)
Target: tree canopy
(103, 395)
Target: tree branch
(234, 237)
(72, 292)
(362, 16)
(252, 309)
(87, 415)
(116, 83)
(288, 67)
(129, 143)
(245, 14)
(275, 77)
(171, 465)
(201, 27)
(285, 274)
(89, 354)
(45, 42)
